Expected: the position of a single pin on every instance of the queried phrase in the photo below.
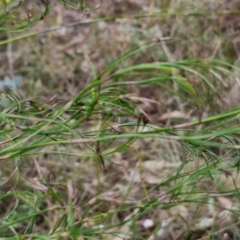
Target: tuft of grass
(30, 128)
(88, 133)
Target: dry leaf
(174, 114)
(36, 184)
(224, 202)
(153, 165)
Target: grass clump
(150, 137)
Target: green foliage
(30, 127)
